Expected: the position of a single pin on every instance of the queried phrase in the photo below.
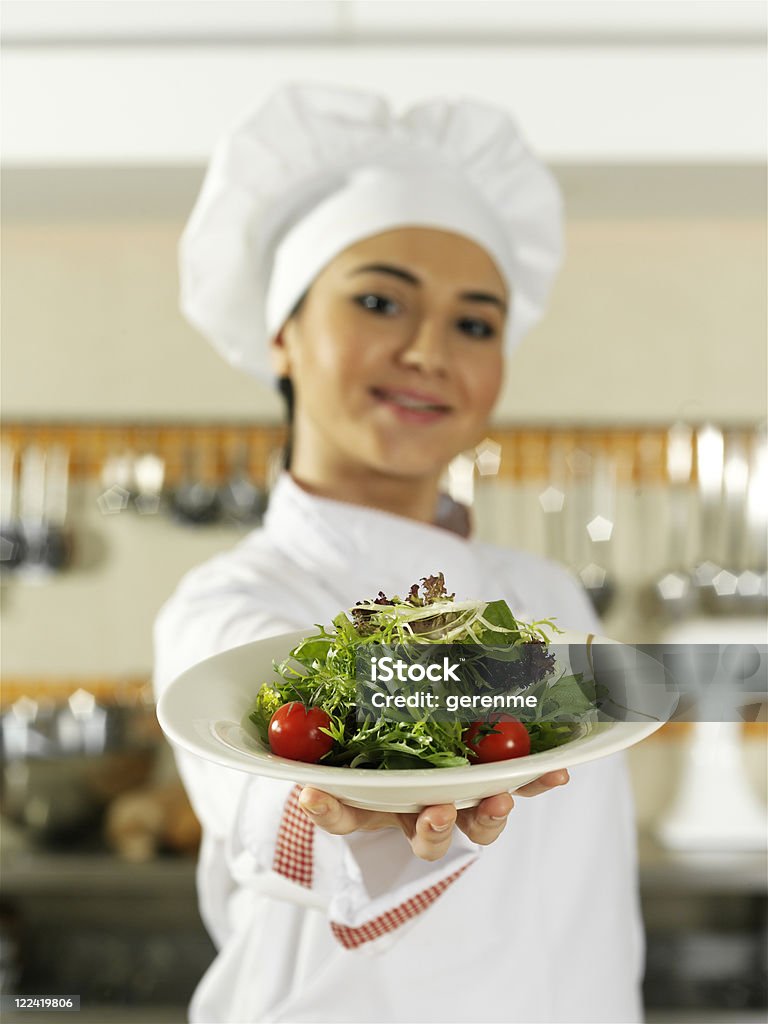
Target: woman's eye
(476, 328)
(377, 304)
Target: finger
(432, 831)
(330, 814)
(485, 822)
(551, 780)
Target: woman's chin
(412, 458)
(413, 466)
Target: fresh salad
(312, 713)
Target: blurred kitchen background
(630, 441)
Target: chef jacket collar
(316, 531)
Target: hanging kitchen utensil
(242, 501)
(43, 510)
(721, 596)
(597, 576)
(674, 593)
(82, 725)
(63, 764)
(650, 557)
(591, 528)
(32, 513)
(58, 539)
(26, 729)
(196, 500)
(552, 500)
(118, 482)
(752, 585)
(709, 470)
(149, 476)
(11, 537)
(579, 468)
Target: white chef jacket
(541, 926)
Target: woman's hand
(429, 832)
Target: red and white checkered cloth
(294, 860)
(392, 919)
(295, 842)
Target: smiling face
(395, 357)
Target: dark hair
(285, 387)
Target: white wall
(592, 103)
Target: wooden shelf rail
(639, 453)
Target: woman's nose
(427, 348)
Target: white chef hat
(318, 168)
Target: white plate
(205, 711)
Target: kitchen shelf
(127, 691)
(90, 444)
(639, 452)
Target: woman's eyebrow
(406, 275)
(387, 268)
(484, 297)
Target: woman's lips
(412, 406)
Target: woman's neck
(360, 485)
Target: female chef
(380, 267)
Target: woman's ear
(279, 354)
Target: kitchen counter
(142, 967)
(178, 1015)
(104, 1014)
(691, 871)
(27, 870)
(41, 871)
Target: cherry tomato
(294, 732)
(509, 738)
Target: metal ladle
(195, 500)
(600, 583)
(709, 470)
(32, 512)
(739, 586)
(722, 597)
(242, 501)
(673, 592)
(11, 537)
(752, 585)
(594, 485)
(552, 500)
(118, 482)
(149, 474)
(58, 541)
